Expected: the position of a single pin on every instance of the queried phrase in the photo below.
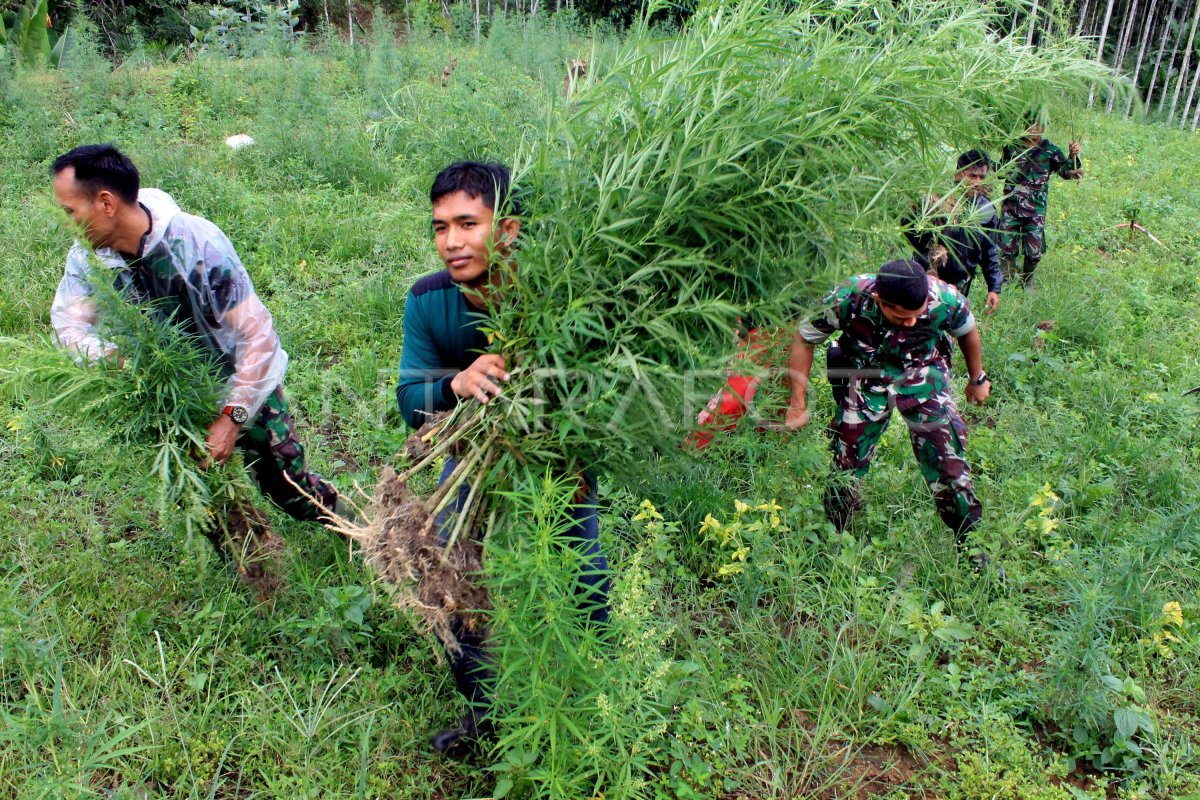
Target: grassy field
(872, 663)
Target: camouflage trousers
(936, 430)
(274, 454)
(1022, 228)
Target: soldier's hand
(797, 417)
(938, 256)
(992, 302)
(979, 394)
(1073, 149)
(482, 379)
(222, 435)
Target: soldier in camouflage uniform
(188, 268)
(886, 358)
(1023, 214)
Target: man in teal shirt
(444, 362)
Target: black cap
(902, 283)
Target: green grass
(133, 665)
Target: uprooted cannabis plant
(730, 171)
(153, 395)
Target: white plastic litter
(239, 141)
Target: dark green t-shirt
(442, 337)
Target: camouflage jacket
(904, 357)
(1029, 181)
(190, 270)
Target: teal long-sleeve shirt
(442, 337)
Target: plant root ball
(403, 547)
(421, 442)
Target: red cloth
(733, 401)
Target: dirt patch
(876, 769)
(420, 443)
(255, 548)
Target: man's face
(466, 236)
(96, 216)
(972, 176)
(898, 316)
(1033, 134)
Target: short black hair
(488, 181)
(902, 283)
(101, 166)
(974, 158)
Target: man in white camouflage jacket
(189, 269)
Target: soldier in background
(887, 358)
(966, 244)
(1023, 214)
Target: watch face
(238, 414)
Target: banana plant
(31, 40)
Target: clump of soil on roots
(254, 547)
(402, 545)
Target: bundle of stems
(416, 545)
(154, 397)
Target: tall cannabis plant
(153, 397)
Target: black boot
(460, 741)
(1027, 270)
(842, 502)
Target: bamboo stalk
(1137, 69)
(441, 498)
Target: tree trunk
(350, 20)
(1187, 60)
(1162, 48)
(1082, 17)
(477, 28)
(1126, 34)
(1123, 48)
(1137, 67)
(1196, 118)
(1100, 48)
(1032, 24)
(1187, 106)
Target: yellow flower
(1045, 497)
(740, 507)
(1172, 613)
(710, 524)
(771, 506)
(648, 512)
(740, 554)
(729, 569)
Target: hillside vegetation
(795, 661)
